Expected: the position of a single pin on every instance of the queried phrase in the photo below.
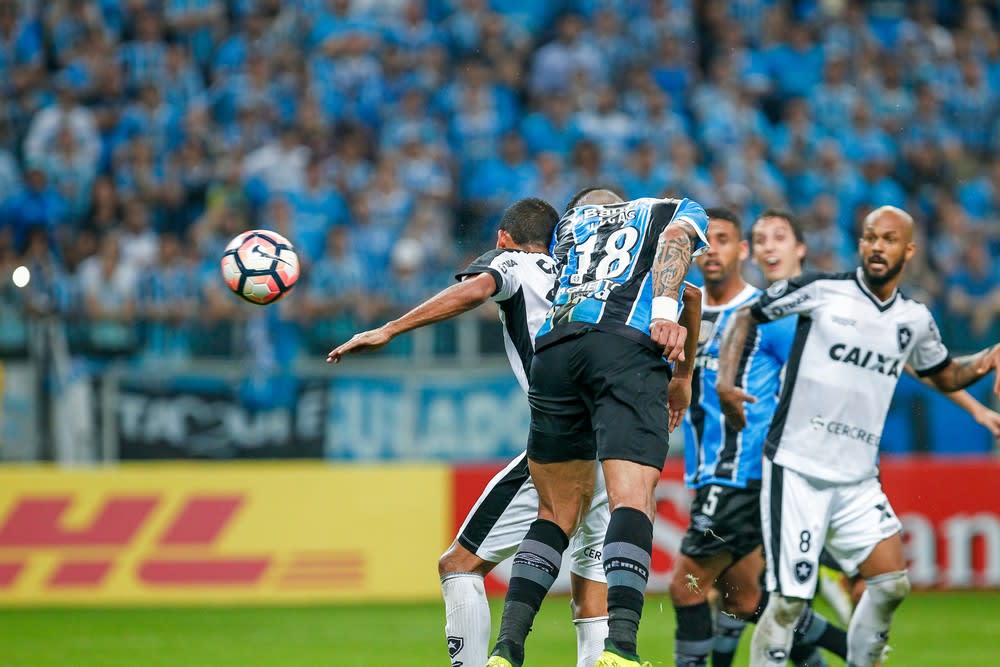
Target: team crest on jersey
(904, 335)
(455, 644)
(803, 571)
(777, 289)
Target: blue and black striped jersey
(715, 453)
(605, 253)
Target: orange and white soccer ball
(260, 266)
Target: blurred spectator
(10, 175)
(552, 184)
(797, 64)
(974, 297)
(278, 166)
(144, 58)
(646, 176)
(138, 243)
(834, 98)
(66, 112)
(69, 171)
(560, 61)
(316, 208)
(497, 182)
(551, 128)
(607, 126)
(36, 205)
(196, 22)
(167, 302)
(109, 287)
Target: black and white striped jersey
(525, 285)
(848, 352)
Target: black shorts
(723, 519)
(598, 394)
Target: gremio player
(599, 387)
(854, 334)
(519, 276)
(722, 545)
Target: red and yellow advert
(221, 533)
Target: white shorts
(800, 515)
(499, 520)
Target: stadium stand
(138, 137)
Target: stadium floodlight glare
(21, 276)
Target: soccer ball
(260, 266)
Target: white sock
(590, 636)
(466, 619)
(869, 630)
(772, 638)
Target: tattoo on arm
(673, 259)
(961, 372)
(731, 349)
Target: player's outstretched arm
(731, 397)
(985, 417)
(673, 259)
(963, 371)
(455, 300)
(679, 391)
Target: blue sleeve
(777, 337)
(692, 212)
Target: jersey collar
(883, 306)
(748, 292)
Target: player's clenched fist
(671, 336)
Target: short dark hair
(786, 215)
(530, 221)
(575, 199)
(722, 213)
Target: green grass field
(932, 629)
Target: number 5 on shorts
(711, 501)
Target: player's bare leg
(466, 608)
(740, 603)
(565, 490)
(590, 616)
(628, 549)
(884, 572)
(689, 587)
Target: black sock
(628, 548)
(727, 638)
(693, 637)
(814, 630)
(536, 566)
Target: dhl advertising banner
(950, 510)
(221, 533)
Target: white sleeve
(503, 266)
(929, 355)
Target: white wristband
(664, 308)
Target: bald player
(854, 334)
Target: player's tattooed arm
(731, 397)
(963, 371)
(673, 259)
(984, 416)
(455, 300)
(671, 264)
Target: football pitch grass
(932, 629)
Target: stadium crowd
(385, 137)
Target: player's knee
(889, 589)
(459, 559)
(743, 604)
(686, 590)
(786, 611)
